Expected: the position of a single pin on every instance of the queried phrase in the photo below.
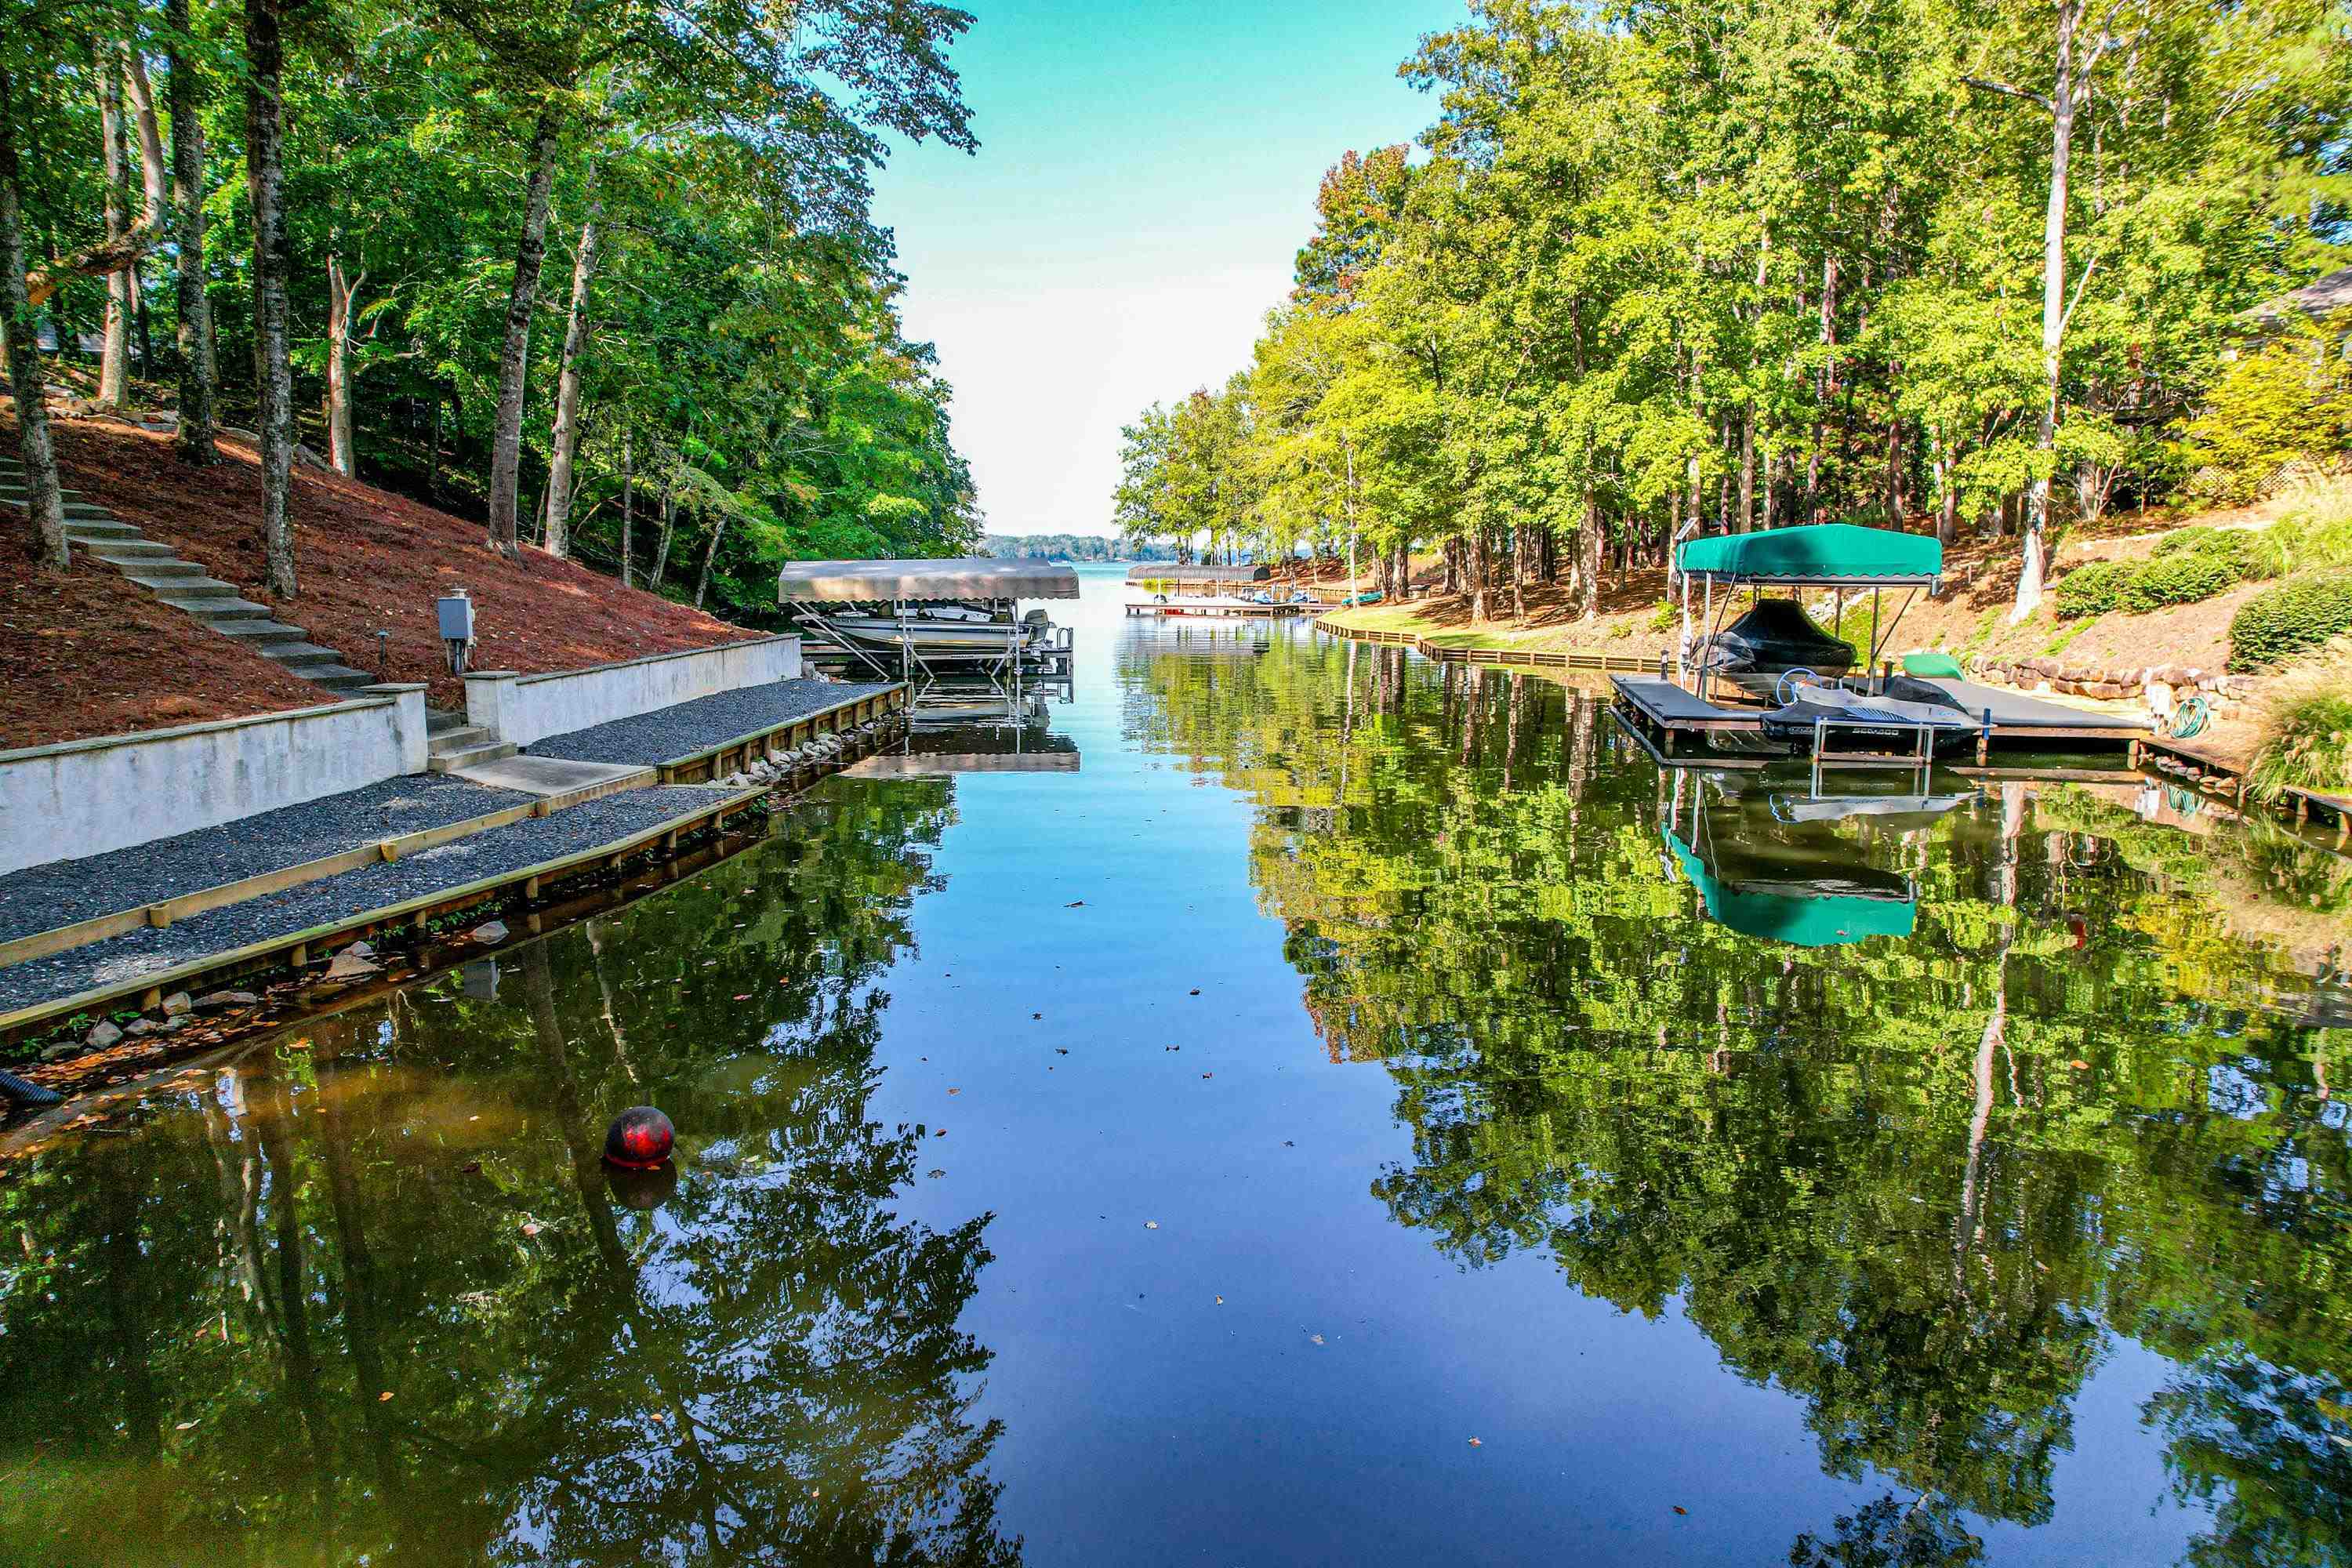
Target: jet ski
(1893, 720)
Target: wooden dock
(1506, 658)
(1671, 716)
(1220, 609)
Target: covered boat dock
(1667, 715)
(923, 621)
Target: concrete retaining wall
(521, 709)
(85, 797)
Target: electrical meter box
(456, 617)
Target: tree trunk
(628, 509)
(567, 387)
(1748, 467)
(194, 443)
(18, 336)
(506, 443)
(1588, 549)
(2063, 94)
(661, 549)
(273, 374)
(718, 531)
(433, 463)
(114, 354)
(342, 296)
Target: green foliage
(1652, 248)
(2294, 617)
(2093, 588)
(2306, 735)
(2289, 403)
(2182, 578)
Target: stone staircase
(451, 744)
(210, 603)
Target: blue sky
(1145, 175)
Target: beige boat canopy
(920, 581)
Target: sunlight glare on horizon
(1144, 177)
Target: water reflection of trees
(1917, 1183)
(210, 1309)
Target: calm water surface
(1362, 1115)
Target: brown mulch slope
(366, 559)
(90, 654)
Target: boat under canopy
(1843, 556)
(919, 620)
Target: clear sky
(1145, 173)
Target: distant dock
(1221, 609)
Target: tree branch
(1982, 85)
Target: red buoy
(639, 1139)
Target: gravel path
(668, 733)
(42, 897)
(501, 849)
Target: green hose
(2189, 718)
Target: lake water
(1362, 1114)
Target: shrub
(2297, 615)
(2193, 539)
(2291, 402)
(2306, 732)
(2093, 588)
(2182, 578)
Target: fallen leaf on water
(384, 1396)
(1152, 1225)
(1077, 904)
(470, 1168)
(184, 1426)
(659, 1419)
(1207, 1075)
(530, 1230)
(1196, 991)
(743, 996)
(955, 1091)
(1476, 1444)
(2079, 1064)
(1220, 1300)
(1317, 1338)
(940, 1133)
(1680, 1508)
(1036, 1014)
(1061, 1050)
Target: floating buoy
(639, 1139)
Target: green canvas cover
(1833, 553)
(1933, 663)
(1821, 920)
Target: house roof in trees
(915, 582)
(2319, 299)
(1171, 572)
(1826, 554)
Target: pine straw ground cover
(366, 559)
(90, 654)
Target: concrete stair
(451, 744)
(210, 603)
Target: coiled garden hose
(2189, 718)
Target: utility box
(456, 616)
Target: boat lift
(825, 596)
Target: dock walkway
(1669, 713)
(293, 843)
(709, 731)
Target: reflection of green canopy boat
(1796, 902)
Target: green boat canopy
(1798, 918)
(1824, 554)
